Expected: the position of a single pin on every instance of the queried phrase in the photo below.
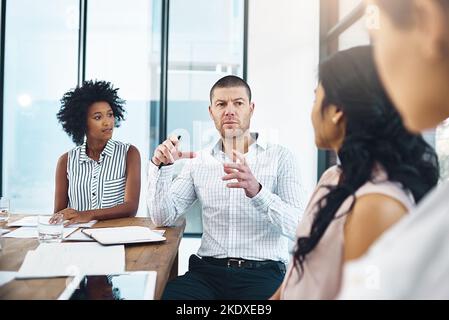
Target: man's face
(231, 111)
(412, 77)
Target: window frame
(83, 12)
(331, 27)
(2, 78)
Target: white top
(233, 224)
(410, 261)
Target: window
(342, 27)
(48, 52)
(201, 51)
(123, 47)
(205, 44)
(40, 65)
(356, 35)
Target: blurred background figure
(411, 261)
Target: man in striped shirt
(250, 193)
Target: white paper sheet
(31, 221)
(161, 232)
(31, 232)
(24, 222)
(3, 231)
(6, 276)
(72, 259)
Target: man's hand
(243, 174)
(168, 152)
(71, 216)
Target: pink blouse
(323, 266)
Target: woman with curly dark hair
(100, 178)
(384, 170)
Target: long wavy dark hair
(374, 135)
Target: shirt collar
(260, 142)
(107, 151)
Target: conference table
(161, 257)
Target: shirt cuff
(262, 200)
(165, 172)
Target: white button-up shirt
(234, 225)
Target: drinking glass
(49, 231)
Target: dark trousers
(206, 281)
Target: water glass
(4, 217)
(4, 211)
(49, 232)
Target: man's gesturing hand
(168, 152)
(243, 174)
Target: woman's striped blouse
(97, 184)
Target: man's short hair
(230, 82)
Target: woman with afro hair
(99, 178)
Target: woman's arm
(371, 216)
(126, 209)
(61, 184)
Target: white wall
(283, 48)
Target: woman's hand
(72, 216)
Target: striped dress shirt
(234, 225)
(97, 184)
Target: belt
(238, 262)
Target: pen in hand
(161, 165)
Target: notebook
(122, 235)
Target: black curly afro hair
(75, 104)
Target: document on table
(6, 276)
(72, 259)
(31, 221)
(31, 232)
(122, 235)
(79, 235)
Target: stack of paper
(31, 221)
(72, 259)
(31, 232)
(28, 228)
